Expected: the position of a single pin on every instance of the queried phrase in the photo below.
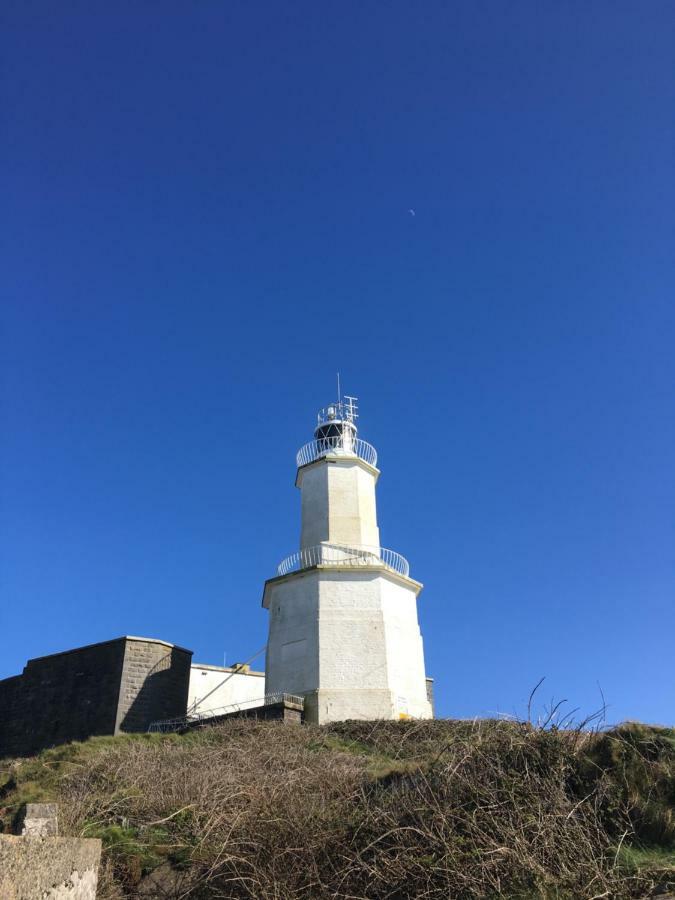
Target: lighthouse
(343, 626)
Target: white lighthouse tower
(343, 629)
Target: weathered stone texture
(68, 696)
(155, 684)
(38, 820)
(52, 868)
(118, 685)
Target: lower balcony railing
(343, 555)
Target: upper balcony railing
(343, 555)
(341, 445)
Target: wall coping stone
(124, 637)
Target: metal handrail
(343, 555)
(340, 445)
(198, 718)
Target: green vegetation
(439, 809)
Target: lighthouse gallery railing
(341, 444)
(343, 555)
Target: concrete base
(338, 705)
(51, 868)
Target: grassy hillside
(438, 809)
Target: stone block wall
(11, 715)
(64, 697)
(155, 684)
(102, 689)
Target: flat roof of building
(124, 637)
(236, 668)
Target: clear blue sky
(206, 213)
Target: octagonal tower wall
(338, 503)
(348, 640)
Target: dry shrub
(356, 810)
(240, 809)
(491, 814)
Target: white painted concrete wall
(405, 651)
(349, 641)
(338, 502)
(292, 662)
(212, 687)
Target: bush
(369, 810)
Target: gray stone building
(115, 686)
